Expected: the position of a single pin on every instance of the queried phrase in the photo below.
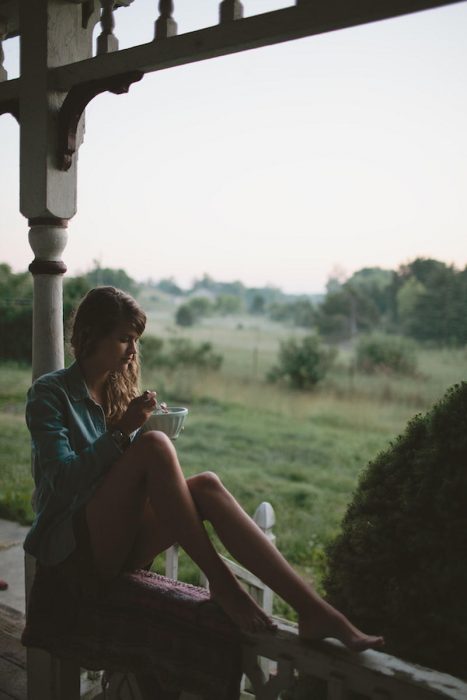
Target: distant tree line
(424, 300)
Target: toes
(368, 643)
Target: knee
(206, 483)
(155, 445)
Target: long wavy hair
(101, 311)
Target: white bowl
(170, 423)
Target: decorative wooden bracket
(76, 102)
(87, 10)
(10, 107)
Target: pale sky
(271, 166)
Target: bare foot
(242, 609)
(326, 621)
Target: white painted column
(47, 239)
(52, 34)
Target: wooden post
(230, 10)
(107, 41)
(171, 562)
(265, 518)
(165, 25)
(48, 201)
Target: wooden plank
(13, 680)
(306, 19)
(336, 688)
(12, 655)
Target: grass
(303, 452)
(15, 453)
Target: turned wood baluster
(165, 25)
(3, 73)
(283, 680)
(230, 10)
(107, 41)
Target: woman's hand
(138, 411)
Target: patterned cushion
(143, 623)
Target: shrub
(151, 351)
(302, 363)
(185, 315)
(399, 566)
(181, 353)
(184, 353)
(193, 310)
(16, 332)
(386, 353)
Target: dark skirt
(74, 579)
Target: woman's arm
(53, 420)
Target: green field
(303, 452)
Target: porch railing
(280, 667)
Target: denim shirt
(72, 450)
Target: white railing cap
(264, 516)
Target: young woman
(118, 501)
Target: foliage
(431, 298)
(74, 289)
(345, 312)
(151, 350)
(185, 315)
(386, 353)
(300, 312)
(208, 284)
(169, 286)
(303, 363)
(424, 299)
(193, 310)
(14, 286)
(99, 276)
(16, 331)
(15, 315)
(257, 304)
(16, 305)
(399, 567)
(181, 353)
(227, 304)
(375, 283)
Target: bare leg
(248, 544)
(150, 470)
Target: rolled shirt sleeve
(72, 446)
(72, 450)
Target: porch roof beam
(9, 90)
(308, 18)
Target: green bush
(302, 363)
(386, 353)
(193, 310)
(399, 566)
(16, 331)
(185, 315)
(182, 352)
